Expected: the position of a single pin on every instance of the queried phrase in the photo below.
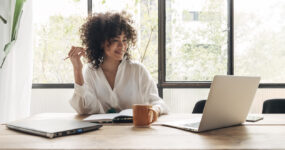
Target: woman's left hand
(155, 114)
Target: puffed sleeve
(84, 99)
(149, 90)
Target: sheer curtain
(16, 74)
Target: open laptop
(228, 104)
(52, 127)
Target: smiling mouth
(119, 52)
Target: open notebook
(123, 116)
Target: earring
(101, 59)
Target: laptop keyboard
(192, 124)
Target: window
(183, 43)
(195, 51)
(261, 51)
(144, 13)
(56, 28)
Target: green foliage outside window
(196, 41)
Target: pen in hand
(66, 58)
(79, 53)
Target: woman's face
(116, 48)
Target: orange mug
(143, 115)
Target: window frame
(162, 83)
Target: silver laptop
(228, 104)
(52, 127)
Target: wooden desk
(266, 134)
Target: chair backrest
(199, 106)
(273, 106)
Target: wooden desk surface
(266, 134)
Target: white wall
(51, 100)
(183, 100)
(179, 100)
(57, 100)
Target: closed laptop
(52, 127)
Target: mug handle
(152, 115)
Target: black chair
(199, 106)
(272, 106)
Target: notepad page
(126, 112)
(97, 117)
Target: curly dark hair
(101, 27)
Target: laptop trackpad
(189, 124)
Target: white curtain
(16, 74)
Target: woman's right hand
(74, 55)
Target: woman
(110, 81)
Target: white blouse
(133, 85)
